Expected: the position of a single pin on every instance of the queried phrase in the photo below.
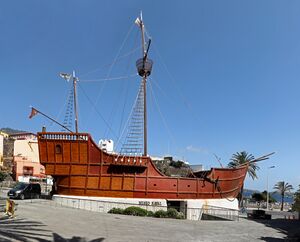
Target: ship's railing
(63, 136)
(129, 160)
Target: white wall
(195, 207)
(27, 148)
(104, 204)
(106, 145)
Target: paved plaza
(42, 220)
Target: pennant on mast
(33, 112)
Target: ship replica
(79, 167)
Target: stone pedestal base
(193, 209)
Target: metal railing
(219, 213)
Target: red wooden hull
(80, 168)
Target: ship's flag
(33, 112)
(137, 22)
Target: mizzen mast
(144, 67)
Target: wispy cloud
(194, 149)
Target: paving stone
(42, 220)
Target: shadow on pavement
(22, 230)
(270, 239)
(26, 230)
(58, 238)
(290, 228)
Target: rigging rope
(94, 106)
(128, 119)
(69, 111)
(220, 191)
(159, 88)
(161, 115)
(111, 67)
(61, 109)
(110, 79)
(184, 100)
(112, 63)
(127, 88)
(134, 139)
(116, 103)
(147, 34)
(123, 110)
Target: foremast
(67, 77)
(35, 111)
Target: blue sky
(225, 76)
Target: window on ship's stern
(58, 149)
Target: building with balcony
(23, 136)
(26, 158)
(1, 149)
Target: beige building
(5, 135)
(23, 136)
(28, 149)
(26, 159)
(1, 149)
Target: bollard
(10, 208)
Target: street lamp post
(270, 167)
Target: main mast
(144, 67)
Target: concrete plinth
(193, 209)
(104, 204)
(222, 208)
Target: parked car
(25, 190)
(259, 214)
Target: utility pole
(270, 167)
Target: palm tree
(241, 158)
(283, 187)
(296, 205)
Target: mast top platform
(144, 66)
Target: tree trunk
(282, 198)
(241, 197)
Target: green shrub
(180, 215)
(172, 213)
(135, 211)
(116, 211)
(150, 214)
(160, 214)
(3, 175)
(177, 164)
